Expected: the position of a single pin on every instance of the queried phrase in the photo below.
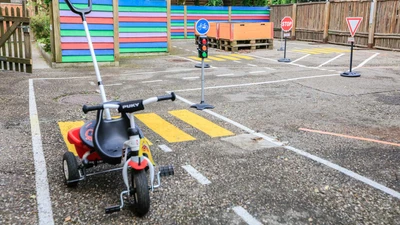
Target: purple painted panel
(92, 14)
(130, 14)
(83, 39)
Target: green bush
(40, 25)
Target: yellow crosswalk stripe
(241, 56)
(163, 128)
(228, 57)
(198, 59)
(208, 127)
(216, 58)
(64, 128)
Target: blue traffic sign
(202, 26)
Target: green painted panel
(189, 36)
(250, 12)
(177, 24)
(142, 29)
(177, 37)
(107, 8)
(100, 58)
(177, 11)
(138, 50)
(93, 33)
(208, 12)
(141, 9)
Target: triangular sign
(353, 23)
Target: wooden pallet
(212, 42)
(237, 45)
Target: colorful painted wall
(134, 26)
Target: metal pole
(202, 81)
(351, 56)
(284, 54)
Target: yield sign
(353, 23)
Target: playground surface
(305, 145)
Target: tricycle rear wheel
(70, 168)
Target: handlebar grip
(79, 11)
(171, 96)
(89, 108)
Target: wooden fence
(15, 45)
(326, 22)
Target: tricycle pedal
(113, 209)
(166, 170)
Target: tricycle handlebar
(129, 106)
(80, 12)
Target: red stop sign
(287, 23)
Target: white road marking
(338, 56)
(226, 75)
(249, 219)
(365, 61)
(92, 83)
(174, 46)
(165, 148)
(268, 68)
(198, 176)
(186, 58)
(45, 212)
(252, 65)
(258, 83)
(117, 84)
(259, 57)
(299, 59)
(151, 81)
(190, 78)
(188, 50)
(305, 154)
(236, 61)
(194, 52)
(260, 71)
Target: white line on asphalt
(194, 51)
(299, 59)
(260, 71)
(237, 61)
(259, 83)
(365, 61)
(336, 57)
(92, 83)
(185, 58)
(268, 68)
(190, 78)
(226, 75)
(188, 50)
(45, 212)
(151, 81)
(198, 176)
(117, 84)
(174, 46)
(249, 219)
(165, 148)
(255, 56)
(251, 65)
(305, 154)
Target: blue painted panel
(67, 26)
(249, 8)
(177, 7)
(207, 8)
(142, 3)
(87, 52)
(177, 33)
(144, 45)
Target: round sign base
(202, 106)
(284, 60)
(350, 74)
(206, 65)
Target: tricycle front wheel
(140, 192)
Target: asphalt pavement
(308, 146)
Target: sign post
(353, 23)
(286, 25)
(202, 26)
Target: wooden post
(229, 13)
(52, 43)
(169, 25)
(185, 21)
(372, 21)
(326, 21)
(294, 13)
(56, 31)
(116, 32)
